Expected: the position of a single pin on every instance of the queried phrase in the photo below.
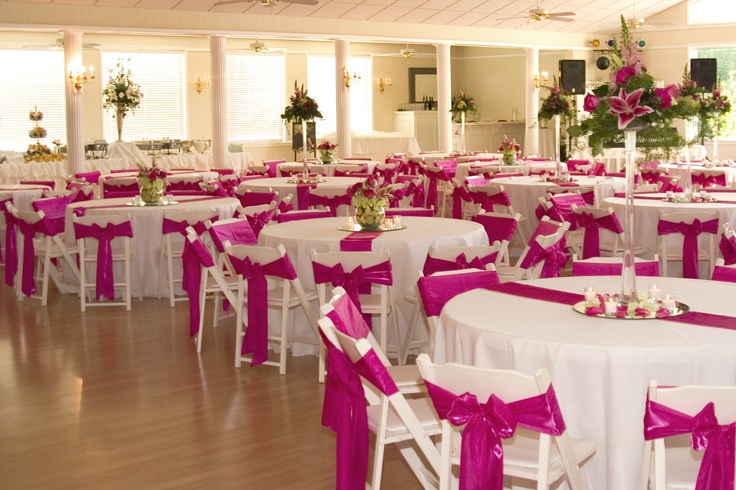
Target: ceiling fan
(266, 3)
(58, 45)
(539, 14)
(638, 22)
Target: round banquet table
(524, 193)
(463, 169)
(24, 194)
(407, 249)
(600, 367)
(146, 222)
(285, 188)
(647, 207)
(680, 170)
(328, 168)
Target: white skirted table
(600, 367)
(407, 248)
(285, 186)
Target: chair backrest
(612, 266)
(237, 231)
(54, 209)
(674, 420)
(342, 169)
(457, 258)
(120, 187)
(492, 198)
(185, 185)
(726, 244)
(439, 288)
(533, 263)
(101, 221)
(331, 199)
(722, 272)
(257, 216)
(361, 267)
(91, 177)
(179, 221)
(595, 221)
(499, 227)
(261, 256)
(304, 214)
(271, 166)
(687, 226)
(248, 197)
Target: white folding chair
(548, 236)
(254, 265)
(529, 454)
(670, 460)
(612, 266)
(672, 244)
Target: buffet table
(600, 367)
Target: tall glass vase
(305, 164)
(691, 130)
(462, 133)
(558, 163)
(628, 274)
(119, 116)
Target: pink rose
(368, 193)
(591, 102)
(624, 73)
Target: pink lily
(627, 107)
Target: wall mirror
(422, 83)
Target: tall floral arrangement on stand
(632, 106)
(301, 109)
(556, 105)
(121, 94)
(711, 109)
(462, 106)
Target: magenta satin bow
(285, 207)
(690, 241)
(591, 240)
(460, 194)
(650, 177)
(436, 291)
(708, 180)
(433, 264)
(344, 411)
(194, 257)
(481, 452)
(104, 286)
(256, 335)
(258, 221)
(728, 249)
(554, 258)
(352, 281)
(717, 468)
(432, 193)
(173, 226)
(330, 202)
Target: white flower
(121, 95)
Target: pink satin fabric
(690, 241)
(28, 230)
(54, 210)
(591, 226)
(332, 203)
(91, 177)
(302, 195)
(184, 188)
(497, 227)
(256, 198)
(194, 257)
(258, 221)
(709, 180)
(237, 233)
(727, 247)
(306, 214)
(11, 246)
(104, 286)
(486, 424)
(717, 468)
(554, 258)
(359, 241)
(571, 164)
(433, 265)
(256, 335)
(723, 273)
(421, 212)
(432, 192)
(650, 269)
(436, 291)
(353, 280)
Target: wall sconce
(79, 76)
(540, 78)
(201, 83)
(383, 84)
(348, 77)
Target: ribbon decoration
(709, 180)
(690, 231)
(256, 198)
(285, 207)
(330, 202)
(11, 249)
(554, 258)
(717, 468)
(28, 230)
(436, 291)
(194, 257)
(8, 221)
(591, 225)
(486, 424)
(54, 210)
(497, 227)
(302, 195)
(104, 285)
(352, 281)
(460, 194)
(256, 334)
(432, 177)
(185, 187)
(727, 245)
(434, 264)
(258, 221)
(220, 190)
(174, 226)
(237, 233)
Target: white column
(531, 138)
(219, 102)
(74, 104)
(444, 97)
(342, 100)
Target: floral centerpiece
(301, 109)
(152, 181)
(326, 150)
(558, 102)
(510, 149)
(369, 198)
(121, 94)
(463, 104)
(711, 107)
(643, 308)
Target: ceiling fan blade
(561, 19)
(562, 14)
(302, 2)
(230, 2)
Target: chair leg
(202, 301)
(127, 276)
(239, 329)
(410, 332)
(284, 329)
(395, 323)
(159, 266)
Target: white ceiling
(592, 16)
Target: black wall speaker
(703, 71)
(572, 76)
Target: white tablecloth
(524, 193)
(407, 248)
(24, 194)
(680, 170)
(463, 169)
(600, 368)
(329, 168)
(285, 188)
(146, 222)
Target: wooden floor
(114, 399)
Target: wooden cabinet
(420, 124)
(488, 136)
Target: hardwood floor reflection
(116, 399)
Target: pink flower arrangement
(509, 144)
(325, 145)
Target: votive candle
(590, 294)
(655, 292)
(668, 302)
(611, 306)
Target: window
(726, 75)
(162, 113)
(31, 79)
(321, 86)
(255, 97)
(712, 11)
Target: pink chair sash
(184, 187)
(258, 221)
(591, 225)
(11, 244)
(104, 286)
(554, 258)
(650, 176)
(330, 202)
(461, 195)
(285, 207)
(648, 268)
(91, 177)
(436, 291)
(486, 424)
(728, 249)
(709, 180)
(256, 335)
(497, 227)
(54, 210)
(422, 212)
(223, 171)
(302, 195)
(352, 281)
(690, 241)
(571, 164)
(717, 468)
(433, 265)
(306, 214)
(388, 174)
(28, 282)
(174, 226)
(432, 192)
(237, 233)
(256, 198)
(723, 273)
(220, 189)
(48, 183)
(124, 190)
(271, 166)
(194, 257)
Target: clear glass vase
(628, 273)
(370, 215)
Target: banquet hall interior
(144, 393)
